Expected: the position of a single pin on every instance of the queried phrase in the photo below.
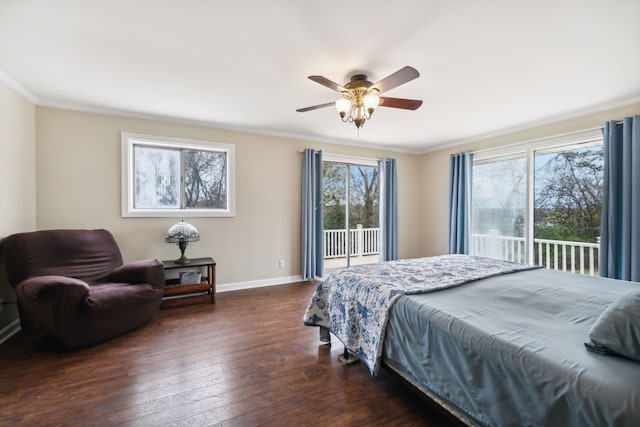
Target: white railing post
(492, 244)
(359, 240)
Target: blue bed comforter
(509, 351)
(353, 303)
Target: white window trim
(350, 160)
(566, 141)
(129, 140)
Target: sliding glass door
(498, 209)
(541, 205)
(351, 201)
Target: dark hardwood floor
(247, 360)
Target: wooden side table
(176, 294)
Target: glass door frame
(528, 149)
(349, 161)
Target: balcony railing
(576, 257)
(363, 241)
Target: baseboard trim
(9, 330)
(226, 287)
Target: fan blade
(315, 107)
(405, 104)
(328, 83)
(401, 76)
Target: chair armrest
(46, 302)
(144, 271)
(48, 286)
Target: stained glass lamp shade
(182, 233)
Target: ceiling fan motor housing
(358, 88)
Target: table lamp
(182, 233)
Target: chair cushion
(110, 297)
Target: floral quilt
(353, 303)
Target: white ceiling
(487, 67)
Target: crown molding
(221, 126)
(13, 84)
(623, 102)
(600, 108)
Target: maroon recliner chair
(72, 286)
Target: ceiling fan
(360, 97)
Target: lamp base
(182, 244)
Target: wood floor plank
(245, 361)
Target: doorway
(351, 203)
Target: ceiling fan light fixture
(343, 105)
(371, 101)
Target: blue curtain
(388, 210)
(312, 222)
(620, 227)
(459, 202)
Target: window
(176, 177)
(567, 207)
(540, 202)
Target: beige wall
(434, 169)
(18, 167)
(78, 186)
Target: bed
(494, 343)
